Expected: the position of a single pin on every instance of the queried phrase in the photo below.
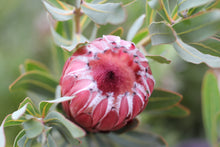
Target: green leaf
(18, 137)
(118, 32)
(154, 4)
(163, 9)
(138, 138)
(162, 99)
(208, 46)
(25, 142)
(60, 14)
(33, 127)
(161, 33)
(210, 105)
(104, 13)
(20, 112)
(170, 6)
(69, 129)
(35, 81)
(175, 111)
(58, 39)
(78, 39)
(45, 106)
(198, 27)
(35, 65)
(135, 27)
(64, 43)
(149, 13)
(159, 59)
(10, 122)
(190, 54)
(50, 142)
(31, 109)
(94, 32)
(140, 35)
(187, 4)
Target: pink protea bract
(111, 82)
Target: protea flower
(111, 81)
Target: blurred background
(24, 34)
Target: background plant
(189, 27)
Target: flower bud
(111, 82)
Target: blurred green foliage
(22, 36)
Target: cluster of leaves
(187, 25)
(191, 26)
(38, 123)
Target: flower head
(111, 81)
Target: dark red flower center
(114, 72)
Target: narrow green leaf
(18, 137)
(10, 122)
(17, 114)
(209, 46)
(140, 35)
(61, 99)
(59, 59)
(25, 142)
(78, 39)
(159, 59)
(150, 14)
(135, 27)
(50, 142)
(175, 111)
(190, 54)
(162, 8)
(94, 32)
(69, 129)
(31, 109)
(162, 99)
(85, 21)
(58, 92)
(170, 6)
(58, 13)
(187, 4)
(35, 81)
(138, 138)
(104, 13)
(60, 4)
(45, 106)
(161, 33)
(58, 39)
(198, 27)
(118, 32)
(155, 4)
(33, 128)
(35, 65)
(210, 105)
(64, 43)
